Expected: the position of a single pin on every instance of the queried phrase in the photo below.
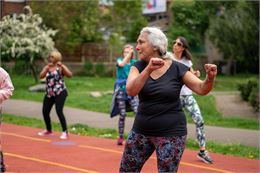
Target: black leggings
(59, 101)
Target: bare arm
(44, 71)
(136, 80)
(198, 86)
(196, 73)
(7, 87)
(126, 58)
(66, 71)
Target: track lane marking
(117, 152)
(50, 163)
(26, 137)
(101, 149)
(182, 163)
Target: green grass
(230, 83)
(79, 89)
(213, 118)
(84, 130)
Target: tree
(121, 25)
(77, 21)
(25, 38)
(191, 19)
(236, 34)
(128, 18)
(125, 19)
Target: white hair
(157, 39)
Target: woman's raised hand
(211, 70)
(155, 63)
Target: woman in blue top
(160, 124)
(122, 100)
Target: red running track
(25, 151)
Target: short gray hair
(157, 39)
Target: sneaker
(204, 156)
(45, 133)
(64, 135)
(120, 141)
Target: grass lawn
(79, 89)
(230, 83)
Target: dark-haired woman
(182, 55)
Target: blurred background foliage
(232, 26)
(85, 21)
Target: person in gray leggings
(182, 55)
(121, 101)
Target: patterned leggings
(190, 104)
(139, 148)
(2, 164)
(122, 108)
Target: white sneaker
(45, 133)
(64, 135)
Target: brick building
(11, 7)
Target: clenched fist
(211, 70)
(155, 63)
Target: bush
(88, 69)
(250, 92)
(254, 98)
(246, 88)
(21, 67)
(100, 69)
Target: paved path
(102, 120)
(230, 104)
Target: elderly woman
(56, 92)
(160, 123)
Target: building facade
(11, 7)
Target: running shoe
(45, 133)
(204, 156)
(120, 141)
(64, 135)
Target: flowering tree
(25, 37)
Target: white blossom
(25, 36)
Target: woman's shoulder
(176, 63)
(3, 72)
(179, 65)
(140, 65)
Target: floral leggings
(2, 165)
(139, 148)
(121, 101)
(189, 103)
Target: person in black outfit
(160, 124)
